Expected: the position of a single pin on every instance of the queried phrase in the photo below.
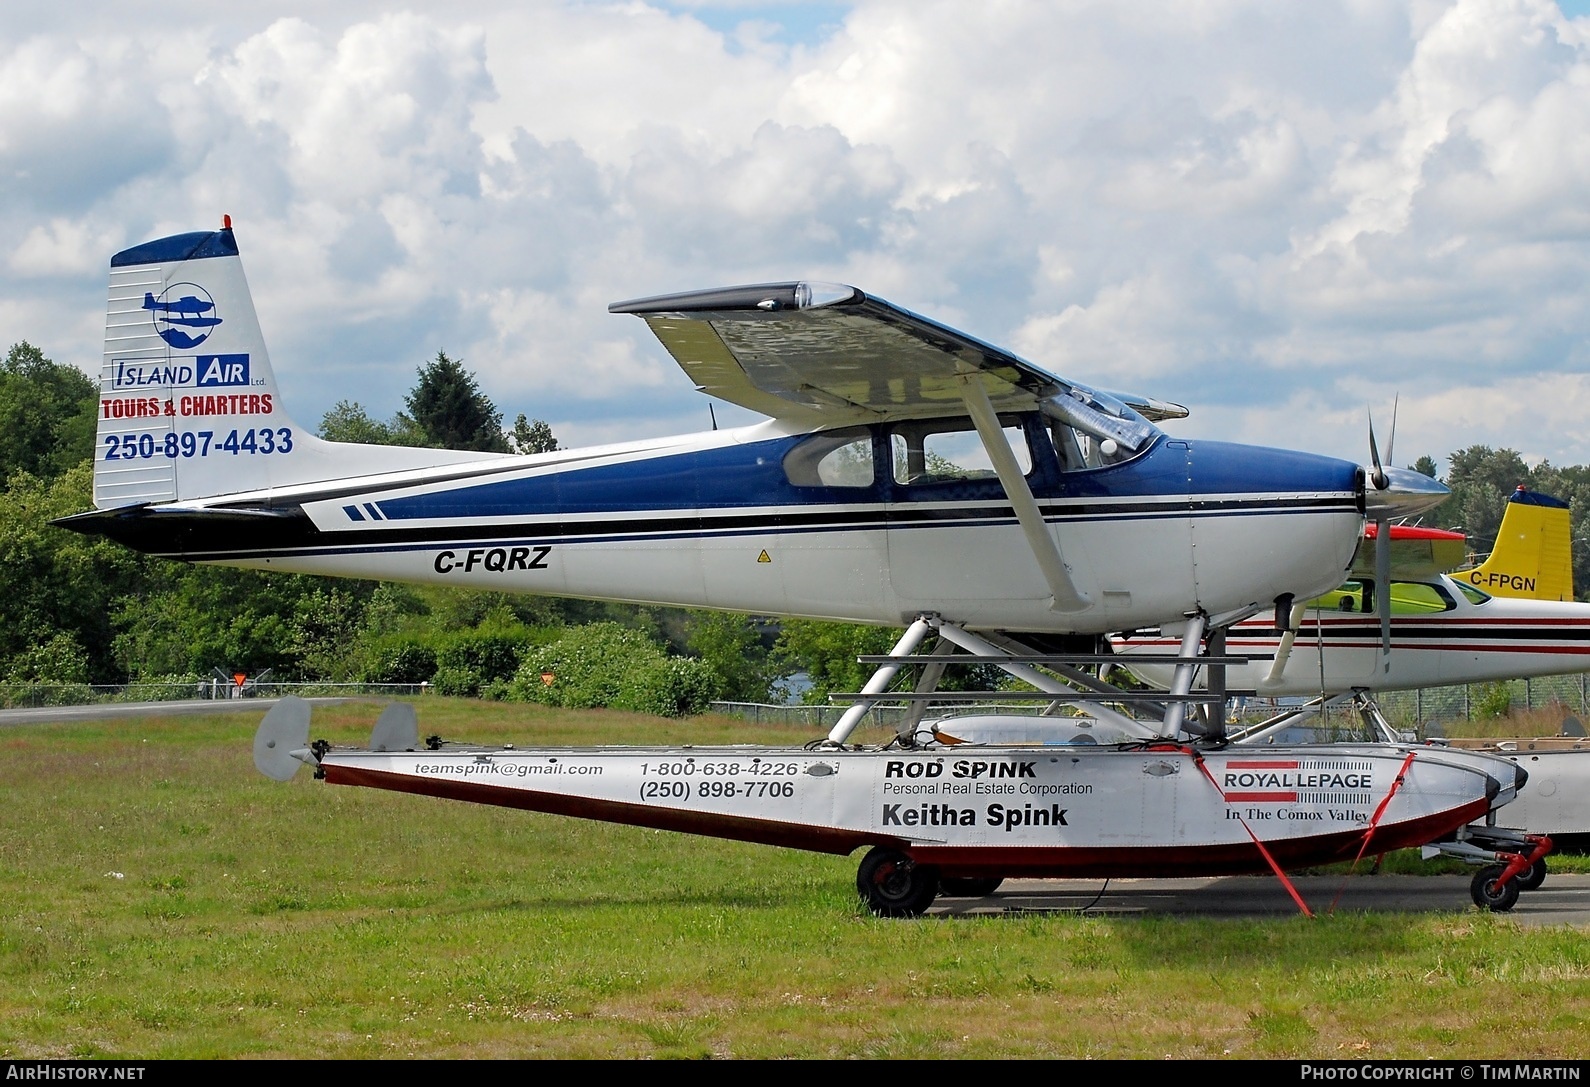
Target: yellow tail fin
(1534, 552)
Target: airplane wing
(830, 353)
(1416, 552)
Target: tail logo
(184, 315)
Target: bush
(399, 662)
(59, 660)
(1494, 700)
(490, 654)
(605, 664)
(675, 687)
(28, 695)
(456, 682)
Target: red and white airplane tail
(189, 407)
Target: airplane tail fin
(1533, 556)
(189, 407)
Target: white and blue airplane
(907, 474)
(906, 468)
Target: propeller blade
(1391, 439)
(1378, 476)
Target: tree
(349, 422)
(47, 414)
(54, 582)
(732, 646)
(605, 664)
(827, 653)
(190, 619)
(1425, 466)
(1481, 479)
(448, 408)
(531, 436)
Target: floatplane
(909, 475)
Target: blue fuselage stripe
(739, 524)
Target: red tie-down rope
(1198, 760)
(1369, 831)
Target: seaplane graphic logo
(185, 321)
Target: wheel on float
(1490, 893)
(1533, 876)
(893, 885)
(970, 886)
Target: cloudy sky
(1280, 215)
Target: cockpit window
(1475, 596)
(1351, 597)
(839, 458)
(1407, 598)
(1092, 429)
(950, 450)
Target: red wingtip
(226, 222)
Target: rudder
(1533, 557)
(189, 407)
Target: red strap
(1369, 831)
(1263, 852)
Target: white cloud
(1273, 213)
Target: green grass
(160, 899)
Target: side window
(1407, 598)
(1353, 596)
(948, 451)
(840, 458)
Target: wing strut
(1065, 596)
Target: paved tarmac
(1562, 900)
(99, 711)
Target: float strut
(1181, 686)
(879, 682)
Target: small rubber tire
(1491, 894)
(970, 886)
(893, 885)
(1533, 876)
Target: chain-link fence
(1410, 709)
(1569, 694)
(32, 695)
(826, 716)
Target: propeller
(1392, 494)
(1382, 482)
